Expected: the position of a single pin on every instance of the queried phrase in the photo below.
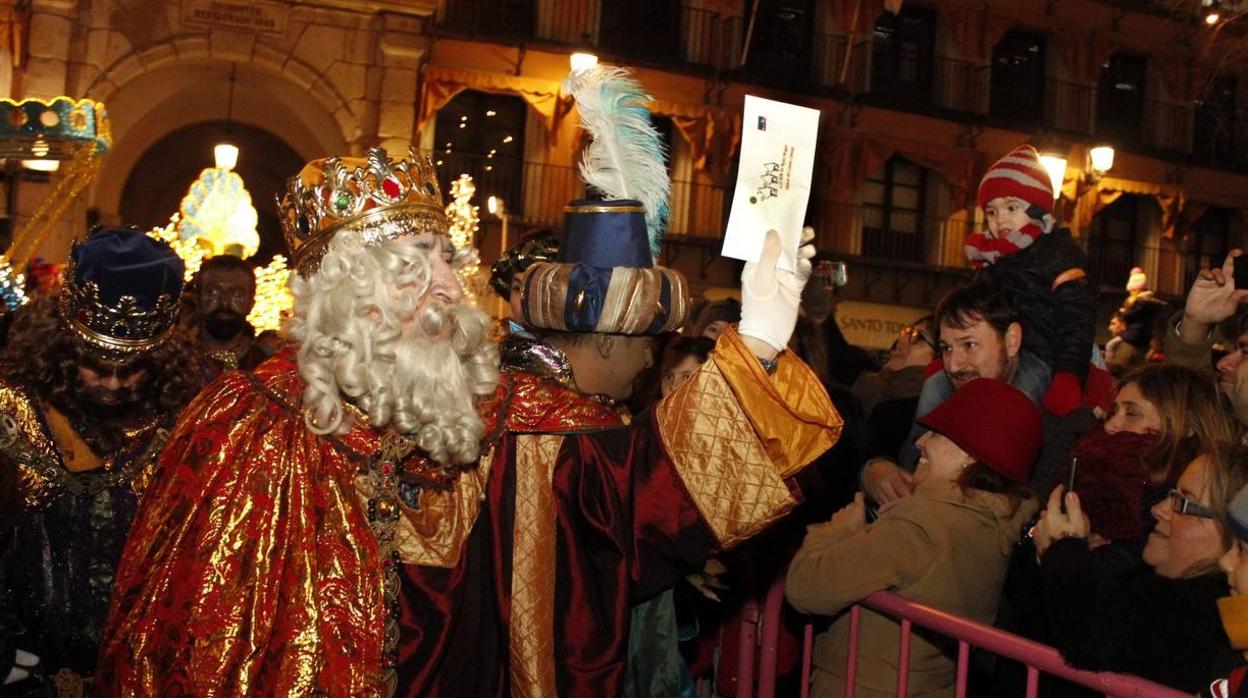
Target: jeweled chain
(384, 476)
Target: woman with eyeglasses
(1163, 417)
(890, 396)
(1160, 622)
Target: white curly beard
(364, 338)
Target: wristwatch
(769, 365)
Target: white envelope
(773, 179)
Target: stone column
(51, 32)
(402, 48)
(45, 76)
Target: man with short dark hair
(980, 336)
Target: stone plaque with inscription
(256, 16)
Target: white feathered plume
(626, 159)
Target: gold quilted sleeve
(735, 434)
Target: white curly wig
(363, 337)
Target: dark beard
(224, 324)
(100, 423)
(1008, 366)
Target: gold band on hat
(632, 303)
(605, 207)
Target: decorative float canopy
(217, 211)
(33, 129)
(62, 130)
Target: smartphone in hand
(1070, 481)
(1241, 271)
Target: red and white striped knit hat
(1019, 174)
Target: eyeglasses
(1182, 505)
(914, 335)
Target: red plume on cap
(994, 423)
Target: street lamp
(1100, 160)
(41, 165)
(225, 155)
(582, 61)
(1055, 165)
(499, 208)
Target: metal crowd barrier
(761, 629)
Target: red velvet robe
(252, 569)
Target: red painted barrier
(1037, 657)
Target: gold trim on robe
(433, 534)
(532, 629)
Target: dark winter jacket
(1059, 324)
(1165, 630)
(1143, 320)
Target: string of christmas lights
(464, 222)
(191, 252)
(12, 286)
(273, 297)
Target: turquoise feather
(627, 158)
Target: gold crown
(119, 331)
(375, 198)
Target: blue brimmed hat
(604, 279)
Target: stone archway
(177, 95)
(155, 186)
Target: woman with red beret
(947, 546)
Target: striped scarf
(983, 248)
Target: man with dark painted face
(91, 381)
(227, 293)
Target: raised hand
(771, 297)
(1212, 299)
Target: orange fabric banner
(849, 160)
(441, 84)
(713, 134)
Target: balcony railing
(1168, 127)
(828, 69)
(889, 234)
(1069, 107)
(693, 36)
(536, 193)
(709, 38)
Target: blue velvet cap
(604, 279)
(121, 291)
(605, 234)
(127, 262)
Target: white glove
(770, 297)
(23, 663)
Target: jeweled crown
(376, 198)
(120, 292)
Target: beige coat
(936, 547)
